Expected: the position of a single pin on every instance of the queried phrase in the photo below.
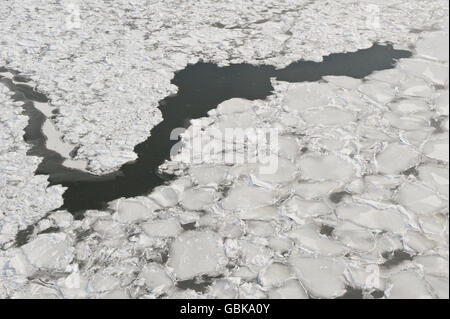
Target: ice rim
(201, 88)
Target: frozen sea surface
(375, 222)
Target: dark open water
(202, 87)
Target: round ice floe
(420, 199)
(109, 228)
(129, 211)
(156, 277)
(50, 251)
(162, 228)
(164, 196)
(206, 174)
(407, 285)
(322, 276)
(196, 253)
(327, 167)
(197, 199)
(396, 158)
(243, 196)
(306, 95)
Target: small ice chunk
(396, 158)
(419, 199)
(196, 253)
(62, 219)
(206, 174)
(290, 290)
(129, 211)
(321, 276)
(108, 228)
(328, 167)
(162, 228)
(197, 199)
(164, 196)
(156, 277)
(407, 285)
(274, 275)
(50, 251)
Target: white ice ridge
(359, 201)
(105, 66)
